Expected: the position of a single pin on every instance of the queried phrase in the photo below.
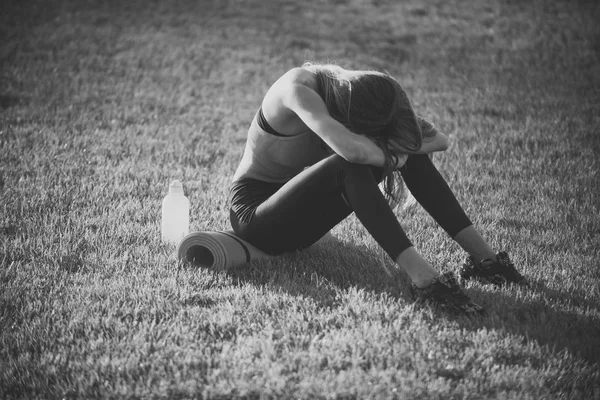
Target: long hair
(372, 104)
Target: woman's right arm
(311, 109)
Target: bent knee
(346, 168)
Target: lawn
(103, 103)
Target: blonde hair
(372, 104)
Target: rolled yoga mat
(221, 250)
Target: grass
(103, 103)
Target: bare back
(282, 146)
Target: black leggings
(278, 218)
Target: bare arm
(311, 109)
(439, 142)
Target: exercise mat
(219, 250)
(222, 250)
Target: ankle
(474, 244)
(421, 273)
(422, 283)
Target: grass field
(102, 103)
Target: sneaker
(445, 292)
(497, 272)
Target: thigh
(300, 212)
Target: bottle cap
(176, 187)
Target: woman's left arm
(433, 140)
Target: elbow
(351, 158)
(446, 143)
(442, 143)
(352, 154)
(366, 154)
(355, 156)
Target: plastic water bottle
(175, 214)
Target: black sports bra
(264, 125)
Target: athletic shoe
(497, 272)
(445, 292)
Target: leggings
(279, 218)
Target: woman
(321, 142)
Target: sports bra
(270, 156)
(264, 125)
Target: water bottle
(175, 214)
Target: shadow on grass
(324, 268)
(559, 320)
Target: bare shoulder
(299, 76)
(291, 85)
(280, 117)
(302, 76)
